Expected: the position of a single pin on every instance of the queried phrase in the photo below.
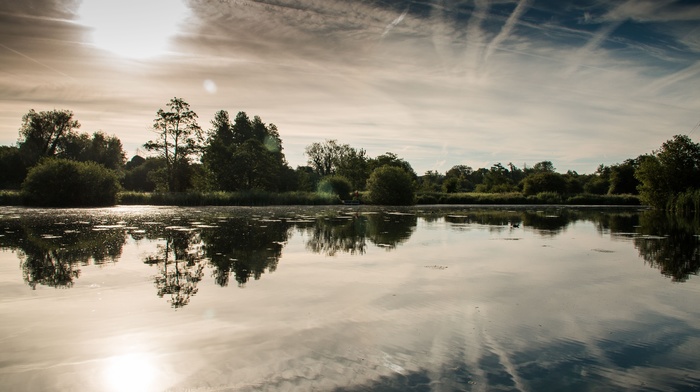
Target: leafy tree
(100, 148)
(457, 179)
(245, 154)
(42, 133)
(622, 179)
(12, 168)
(544, 181)
(324, 157)
(64, 183)
(431, 181)
(673, 169)
(145, 174)
(306, 178)
(574, 182)
(336, 184)
(179, 137)
(354, 165)
(543, 167)
(254, 167)
(391, 159)
(496, 180)
(391, 185)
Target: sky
(438, 82)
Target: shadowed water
(348, 299)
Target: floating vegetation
(436, 267)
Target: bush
(337, 185)
(390, 185)
(544, 182)
(65, 183)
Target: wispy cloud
(492, 82)
(395, 22)
(508, 26)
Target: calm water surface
(348, 299)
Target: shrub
(65, 183)
(390, 185)
(544, 182)
(336, 184)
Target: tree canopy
(179, 137)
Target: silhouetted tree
(673, 169)
(179, 137)
(391, 185)
(42, 133)
(245, 154)
(100, 148)
(12, 167)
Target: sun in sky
(133, 28)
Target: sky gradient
(438, 82)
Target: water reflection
(670, 244)
(246, 247)
(242, 247)
(52, 251)
(540, 313)
(350, 233)
(181, 265)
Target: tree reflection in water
(181, 265)
(669, 243)
(246, 247)
(52, 248)
(350, 233)
(51, 252)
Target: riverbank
(261, 198)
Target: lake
(348, 299)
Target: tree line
(247, 154)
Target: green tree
(496, 180)
(245, 154)
(673, 169)
(544, 166)
(145, 174)
(622, 179)
(544, 181)
(58, 182)
(457, 179)
(323, 157)
(100, 148)
(336, 184)
(391, 159)
(12, 168)
(431, 181)
(179, 137)
(42, 133)
(391, 185)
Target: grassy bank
(259, 198)
(249, 198)
(519, 198)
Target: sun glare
(133, 28)
(130, 373)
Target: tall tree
(179, 137)
(42, 133)
(323, 157)
(100, 148)
(245, 154)
(673, 169)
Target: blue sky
(438, 82)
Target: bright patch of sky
(439, 83)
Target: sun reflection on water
(130, 372)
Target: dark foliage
(65, 183)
